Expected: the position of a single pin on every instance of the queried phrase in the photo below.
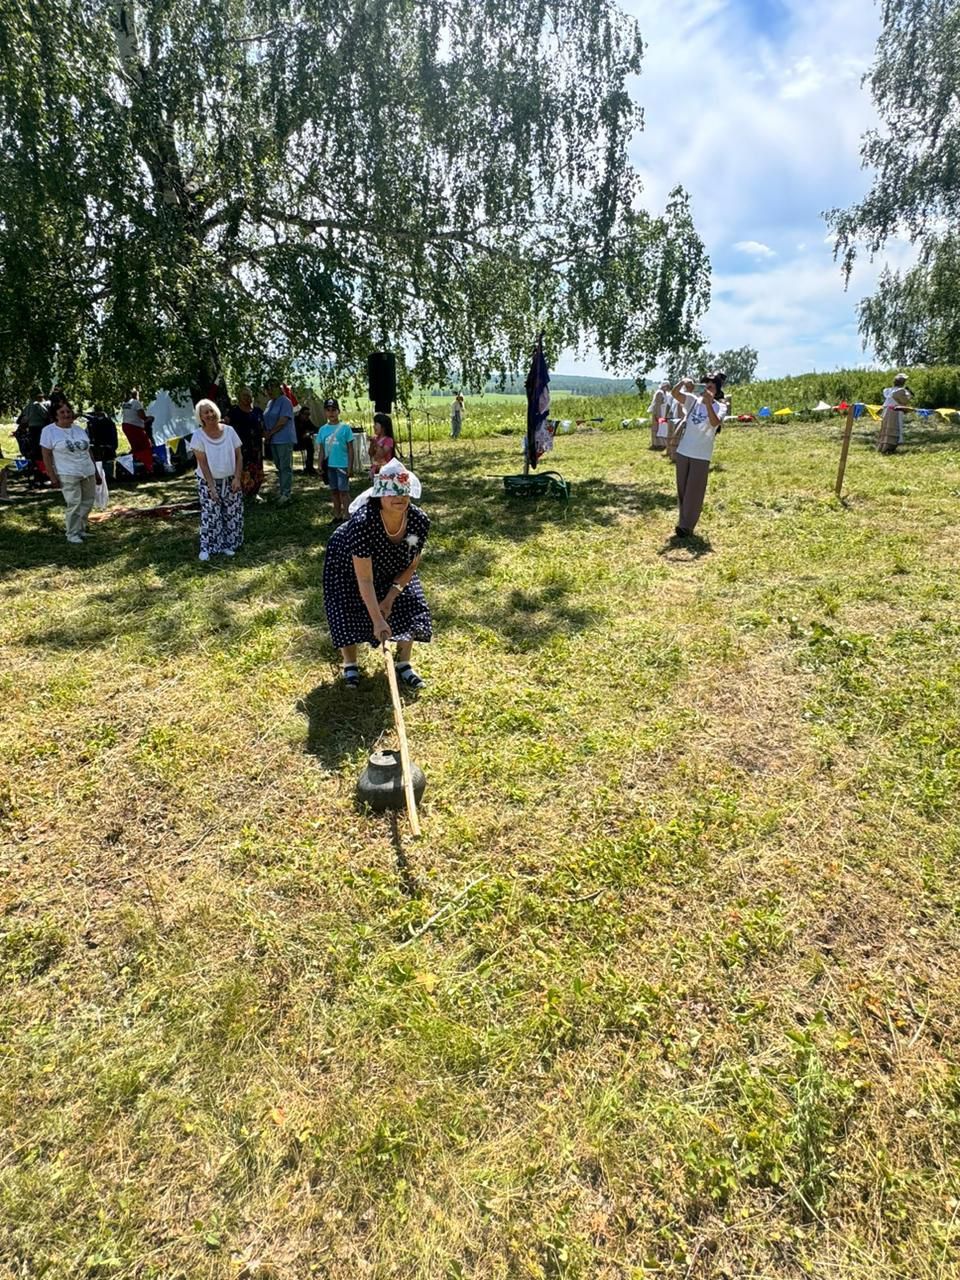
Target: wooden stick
(402, 735)
(843, 452)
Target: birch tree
(188, 189)
(915, 82)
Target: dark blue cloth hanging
(538, 399)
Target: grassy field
(670, 986)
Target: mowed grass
(669, 987)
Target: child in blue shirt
(336, 441)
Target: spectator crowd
(226, 441)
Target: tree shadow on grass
(494, 514)
(142, 578)
(143, 575)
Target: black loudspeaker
(382, 379)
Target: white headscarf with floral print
(393, 480)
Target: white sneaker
(204, 555)
(77, 542)
(229, 553)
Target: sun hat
(393, 480)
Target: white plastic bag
(101, 495)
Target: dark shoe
(682, 533)
(351, 676)
(409, 677)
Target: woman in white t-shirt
(703, 416)
(219, 456)
(69, 464)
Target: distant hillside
(574, 383)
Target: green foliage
(690, 359)
(932, 388)
(191, 189)
(935, 388)
(912, 317)
(738, 364)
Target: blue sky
(764, 132)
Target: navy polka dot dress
(364, 535)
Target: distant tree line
(739, 364)
(575, 383)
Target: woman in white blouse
(217, 449)
(69, 464)
(703, 417)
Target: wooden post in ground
(848, 431)
(402, 735)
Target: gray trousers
(691, 489)
(78, 495)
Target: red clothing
(140, 446)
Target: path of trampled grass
(670, 984)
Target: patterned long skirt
(251, 477)
(221, 523)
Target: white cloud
(755, 249)
(762, 124)
(761, 118)
(796, 313)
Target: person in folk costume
(896, 402)
(371, 588)
(703, 418)
(659, 413)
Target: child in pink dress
(382, 445)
